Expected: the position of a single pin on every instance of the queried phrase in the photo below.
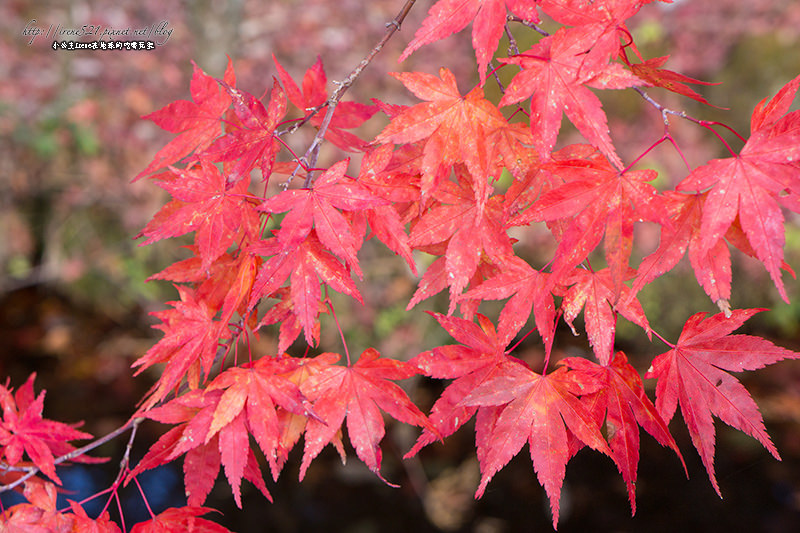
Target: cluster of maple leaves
(430, 182)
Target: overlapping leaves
(432, 182)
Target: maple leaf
(384, 220)
(622, 403)
(191, 338)
(596, 200)
(318, 206)
(237, 284)
(248, 404)
(533, 178)
(40, 515)
(358, 393)
(755, 183)
(284, 313)
(447, 17)
(554, 73)
(225, 210)
(293, 425)
(198, 122)
(591, 12)
(82, 522)
(693, 374)
(467, 230)
(543, 410)
(479, 357)
(225, 285)
(194, 413)
(252, 141)
(453, 127)
(595, 293)
(180, 519)
(23, 430)
(392, 174)
(712, 267)
(650, 73)
(304, 266)
(528, 290)
(347, 115)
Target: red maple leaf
(377, 174)
(358, 393)
(543, 410)
(594, 292)
(40, 514)
(23, 430)
(650, 72)
(226, 210)
(693, 374)
(528, 290)
(251, 142)
(294, 425)
(179, 520)
(594, 201)
(318, 207)
(101, 524)
(285, 314)
(712, 267)
(437, 279)
(347, 115)
(225, 285)
(248, 405)
(622, 403)
(479, 357)
(189, 346)
(194, 413)
(304, 265)
(467, 230)
(755, 183)
(198, 122)
(554, 73)
(591, 12)
(454, 129)
(446, 17)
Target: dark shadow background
(74, 305)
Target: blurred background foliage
(74, 305)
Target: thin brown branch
(541, 31)
(311, 155)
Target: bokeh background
(74, 303)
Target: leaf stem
(341, 333)
(665, 341)
(509, 350)
(704, 123)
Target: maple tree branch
(513, 49)
(531, 25)
(497, 78)
(125, 461)
(310, 157)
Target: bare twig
(541, 31)
(309, 159)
